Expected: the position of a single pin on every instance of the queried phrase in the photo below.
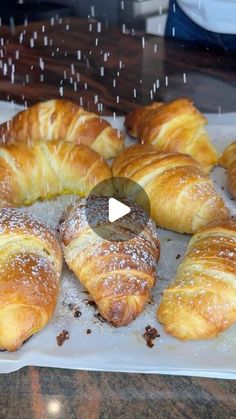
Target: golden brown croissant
(45, 169)
(63, 120)
(176, 126)
(201, 302)
(119, 274)
(228, 161)
(182, 197)
(30, 268)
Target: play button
(117, 209)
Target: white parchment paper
(124, 349)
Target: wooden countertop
(109, 71)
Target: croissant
(30, 269)
(119, 274)
(201, 302)
(182, 198)
(176, 126)
(228, 161)
(42, 170)
(63, 120)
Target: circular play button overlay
(117, 209)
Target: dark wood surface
(110, 71)
(66, 60)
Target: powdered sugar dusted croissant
(176, 126)
(228, 161)
(201, 302)
(182, 197)
(119, 275)
(63, 120)
(30, 268)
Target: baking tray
(124, 349)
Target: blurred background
(146, 15)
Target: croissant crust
(63, 120)
(182, 197)
(201, 302)
(30, 268)
(44, 169)
(174, 127)
(119, 275)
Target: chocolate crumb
(88, 331)
(70, 306)
(77, 313)
(90, 303)
(150, 334)
(222, 188)
(178, 256)
(151, 300)
(99, 317)
(64, 335)
(169, 240)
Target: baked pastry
(182, 198)
(45, 169)
(228, 161)
(118, 274)
(63, 120)
(175, 126)
(201, 302)
(30, 269)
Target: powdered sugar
(124, 349)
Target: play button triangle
(117, 209)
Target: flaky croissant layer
(119, 275)
(176, 126)
(30, 269)
(60, 119)
(182, 198)
(41, 170)
(201, 302)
